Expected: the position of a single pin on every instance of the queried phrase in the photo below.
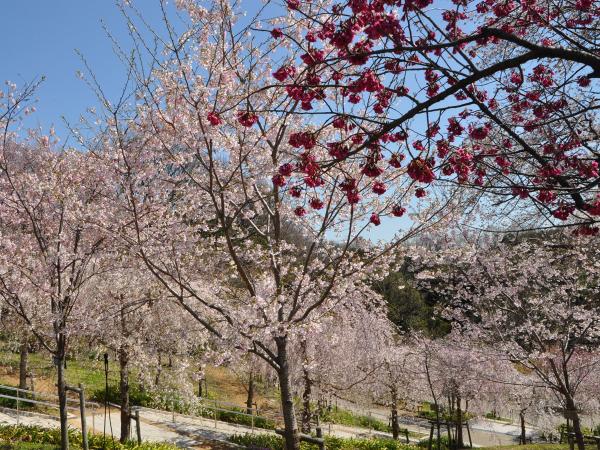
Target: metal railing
(197, 411)
(45, 399)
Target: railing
(198, 411)
(22, 396)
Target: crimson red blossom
(508, 79)
(398, 211)
(375, 219)
(420, 170)
(247, 119)
(214, 119)
(284, 72)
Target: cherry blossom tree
(343, 358)
(535, 299)
(124, 317)
(500, 96)
(204, 161)
(50, 242)
(15, 331)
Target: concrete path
(484, 432)
(193, 432)
(11, 417)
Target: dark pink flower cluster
(421, 170)
(247, 119)
(302, 139)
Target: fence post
(215, 412)
(430, 437)
(83, 419)
(320, 435)
(18, 413)
(138, 429)
(469, 433)
(570, 438)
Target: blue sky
(41, 38)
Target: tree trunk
(292, 439)
(124, 395)
(158, 370)
(306, 395)
(395, 425)
(459, 428)
(23, 357)
(61, 385)
(523, 433)
(572, 409)
(250, 397)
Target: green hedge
(269, 441)
(137, 396)
(444, 443)
(28, 446)
(148, 399)
(18, 434)
(231, 417)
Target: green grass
(345, 417)
(28, 446)
(269, 441)
(493, 416)
(529, 447)
(84, 370)
(33, 438)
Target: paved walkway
(484, 432)
(193, 432)
(11, 417)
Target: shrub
(274, 442)
(137, 396)
(344, 417)
(444, 443)
(239, 419)
(51, 436)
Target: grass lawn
(223, 384)
(530, 447)
(28, 446)
(346, 417)
(83, 370)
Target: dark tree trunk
(292, 438)
(449, 426)
(395, 425)
(306, 397)
(124, 395)
(158, 371)
(572, 411)
(61, 385)
(459, 420)
(23, 357)
(435, 401)
(250, 397)
(523, 439)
